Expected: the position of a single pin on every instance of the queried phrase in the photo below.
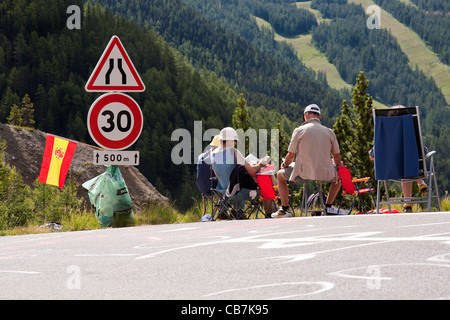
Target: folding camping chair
(354, 187)
(307, 200)
(240, 179)
(267, 190)
(223, 164)
(400, 154)
(206, 182)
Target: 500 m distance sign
(115, 121)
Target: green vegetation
(354, 130)
(428, 20)
(196, 58)
(352, 48)
(262, 74)
(26, 209)
(419, 54)
(287, 20)
(342, 36)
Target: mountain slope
(41, 57)
(418, 53)
(393, 79)
(263, 78)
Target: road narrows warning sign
(115, 71)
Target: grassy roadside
(154, 214)
(78, 220)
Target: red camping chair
(352, 186)
(266, 188)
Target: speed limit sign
(115, 121)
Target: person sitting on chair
(408, 185)
(225, 158)
(206, 179)
(311, 146)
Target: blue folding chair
(206, 183)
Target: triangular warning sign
(114, 71)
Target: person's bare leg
(283, 189)
(407, 192)
(407, 189)
(332, 192)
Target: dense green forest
(283, 16)
(352, 48)
(195, 57)
(429, 20)
(264, 79)
(43, 58)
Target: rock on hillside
(25, 149)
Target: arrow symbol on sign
(136, 158)
(96, 156)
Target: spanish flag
(58, 155)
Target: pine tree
(27, 111)
(354, 130)
(22, 116)
(15, 116)
(241, 119)
(240, 116)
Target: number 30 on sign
(115, 121)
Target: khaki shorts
(287, 172)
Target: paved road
(398, 256)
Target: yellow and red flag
(58, 155)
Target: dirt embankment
(25, 149)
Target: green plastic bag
(109, 194)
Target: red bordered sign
(115, 121)
(115, 71)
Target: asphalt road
(397, 256)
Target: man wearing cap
(312, 146)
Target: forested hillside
(352, 47)
(430, 20)
(195, 57)
(41, 57)
(262, 77)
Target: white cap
(312, 108)
(227, 134)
